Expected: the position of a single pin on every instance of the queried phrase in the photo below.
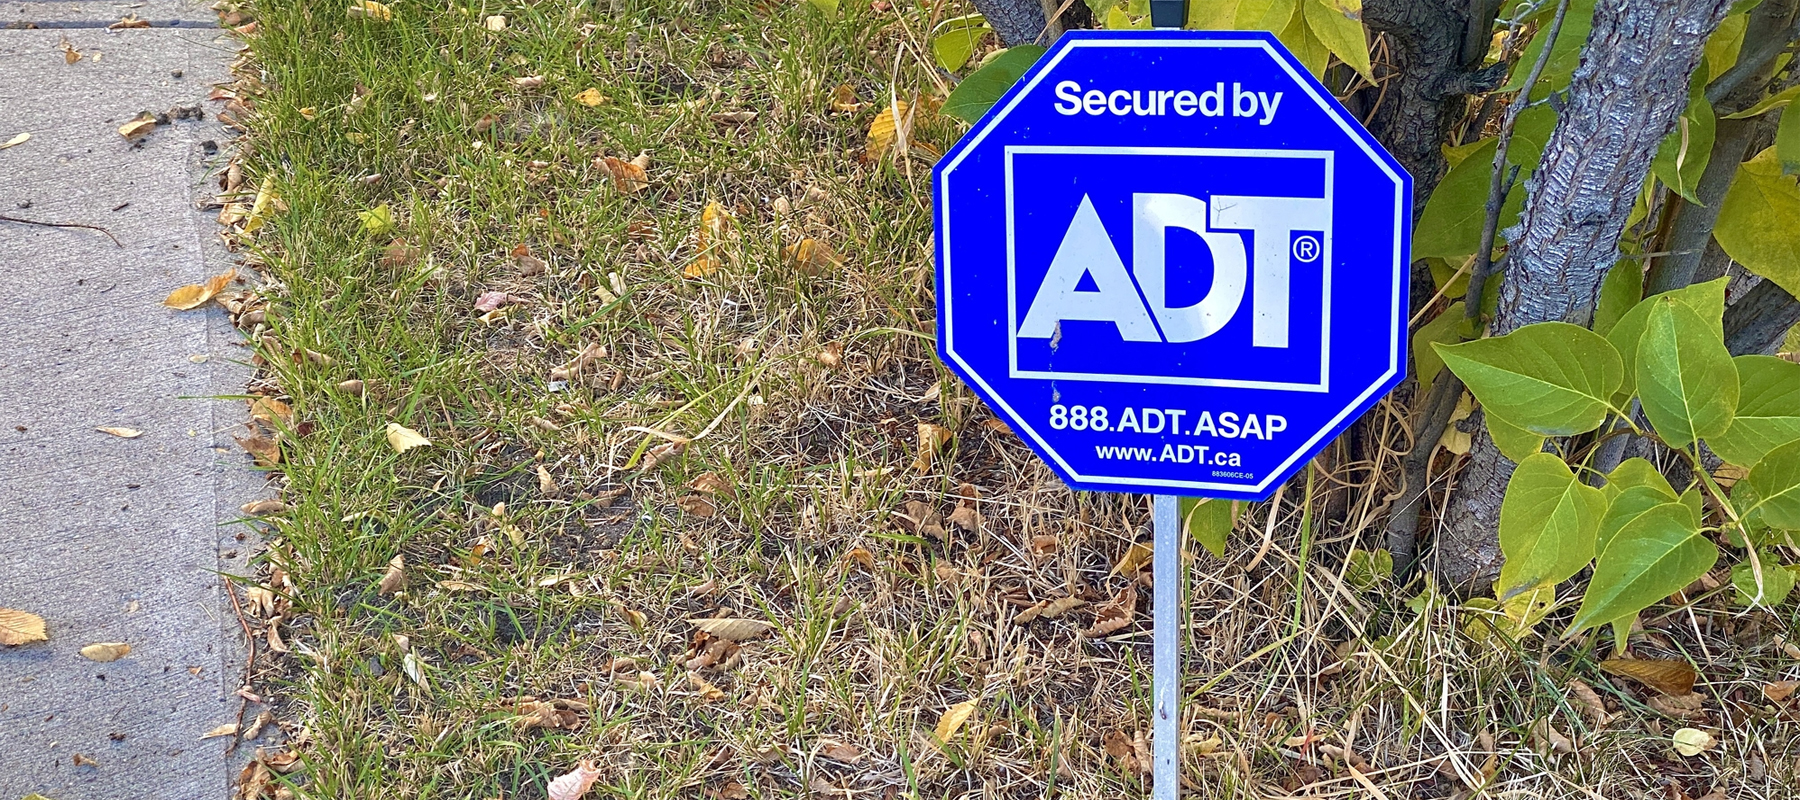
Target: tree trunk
(1431, 79)
(1624, 98)
(1020, 22)
(1759, 321)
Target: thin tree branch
(1498, 185)
(115, 239)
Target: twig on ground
(109, 235)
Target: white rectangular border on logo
(1012, 313)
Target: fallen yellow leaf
(932, 439)
(270, 410)
(259, 211)
(21, 627)
(1690, 742)
(15, 141)
(402, 438)
(1136, 557)
(953, 719)
(495, 23)
(228, 729)
(629, 177)
(106, 651)
(139, 126)
(123, 433)
(369, 9)
(591, 97)
(813, 257)
(715, 221)
(843, 99)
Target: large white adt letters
(1273, 220)
(1151, 217)
(1086, 249)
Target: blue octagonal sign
(1172, 262)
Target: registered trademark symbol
(1306, 249)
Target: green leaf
(1684, 374)
(1777, 581)
(827, 6)
(1209, 522)
(1338, 24)
(377, 220)
(1578, 22)
(1365, 570)
(1454, 154)
(1548, 521)
(1514, 442)
(954, 40)
(1768, 412)
(1723, 45)
(1441, 329)
(1630, 504)
(982, 89)
(1623, 288)
(1787, 143)
(1531, 131)
(1264, 15)
(1551, 378)
(1651, 558)
(1777, 100)
(1759, 221)
(1220, 15)
(1450, 226)
(1683, 154)
(1775, 484)
(1442, 271)
(1708, 299)
(1304, 44)
(1637, 472)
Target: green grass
(570, 594)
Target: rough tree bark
(1432, 76)
(1624, 98)
(1020, 22)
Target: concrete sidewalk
(111, 539)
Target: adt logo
(1164, 254)
(1172, 262)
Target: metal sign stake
(1166, 680)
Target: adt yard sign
(1173, 262)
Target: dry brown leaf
(966, 517)
(527, 263)
(394, 579)
(104, 652)
(194, 296)
(21, 627)
(734, 118)
(1690, 706)
(695, 505)
(729, 790)
(591, 97)
(461, 586)
(932, 440)
(1137, 556)
(228, 729)
(1062, 605)
(712, 483)
(123, 433)
(629, 177)
(1116, 614)
(402, 438)
(704, 689)
(573, 785)
(128, 21)
(919, 517)
(588, 355)
(528, 82)
(546, 715)
(1044, 544)
(264, 507)
(733, 629)
(139, 127)
(840, 751)
(495, 23)
(270, 410)
(1548, 738)
(399, 253)
(861, 555)
(266, 450)
(1117, 744)
(843, 99)
(953, 718)
(1585, 696)
(1673, 677)
(831, 355)
(1780, 690)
